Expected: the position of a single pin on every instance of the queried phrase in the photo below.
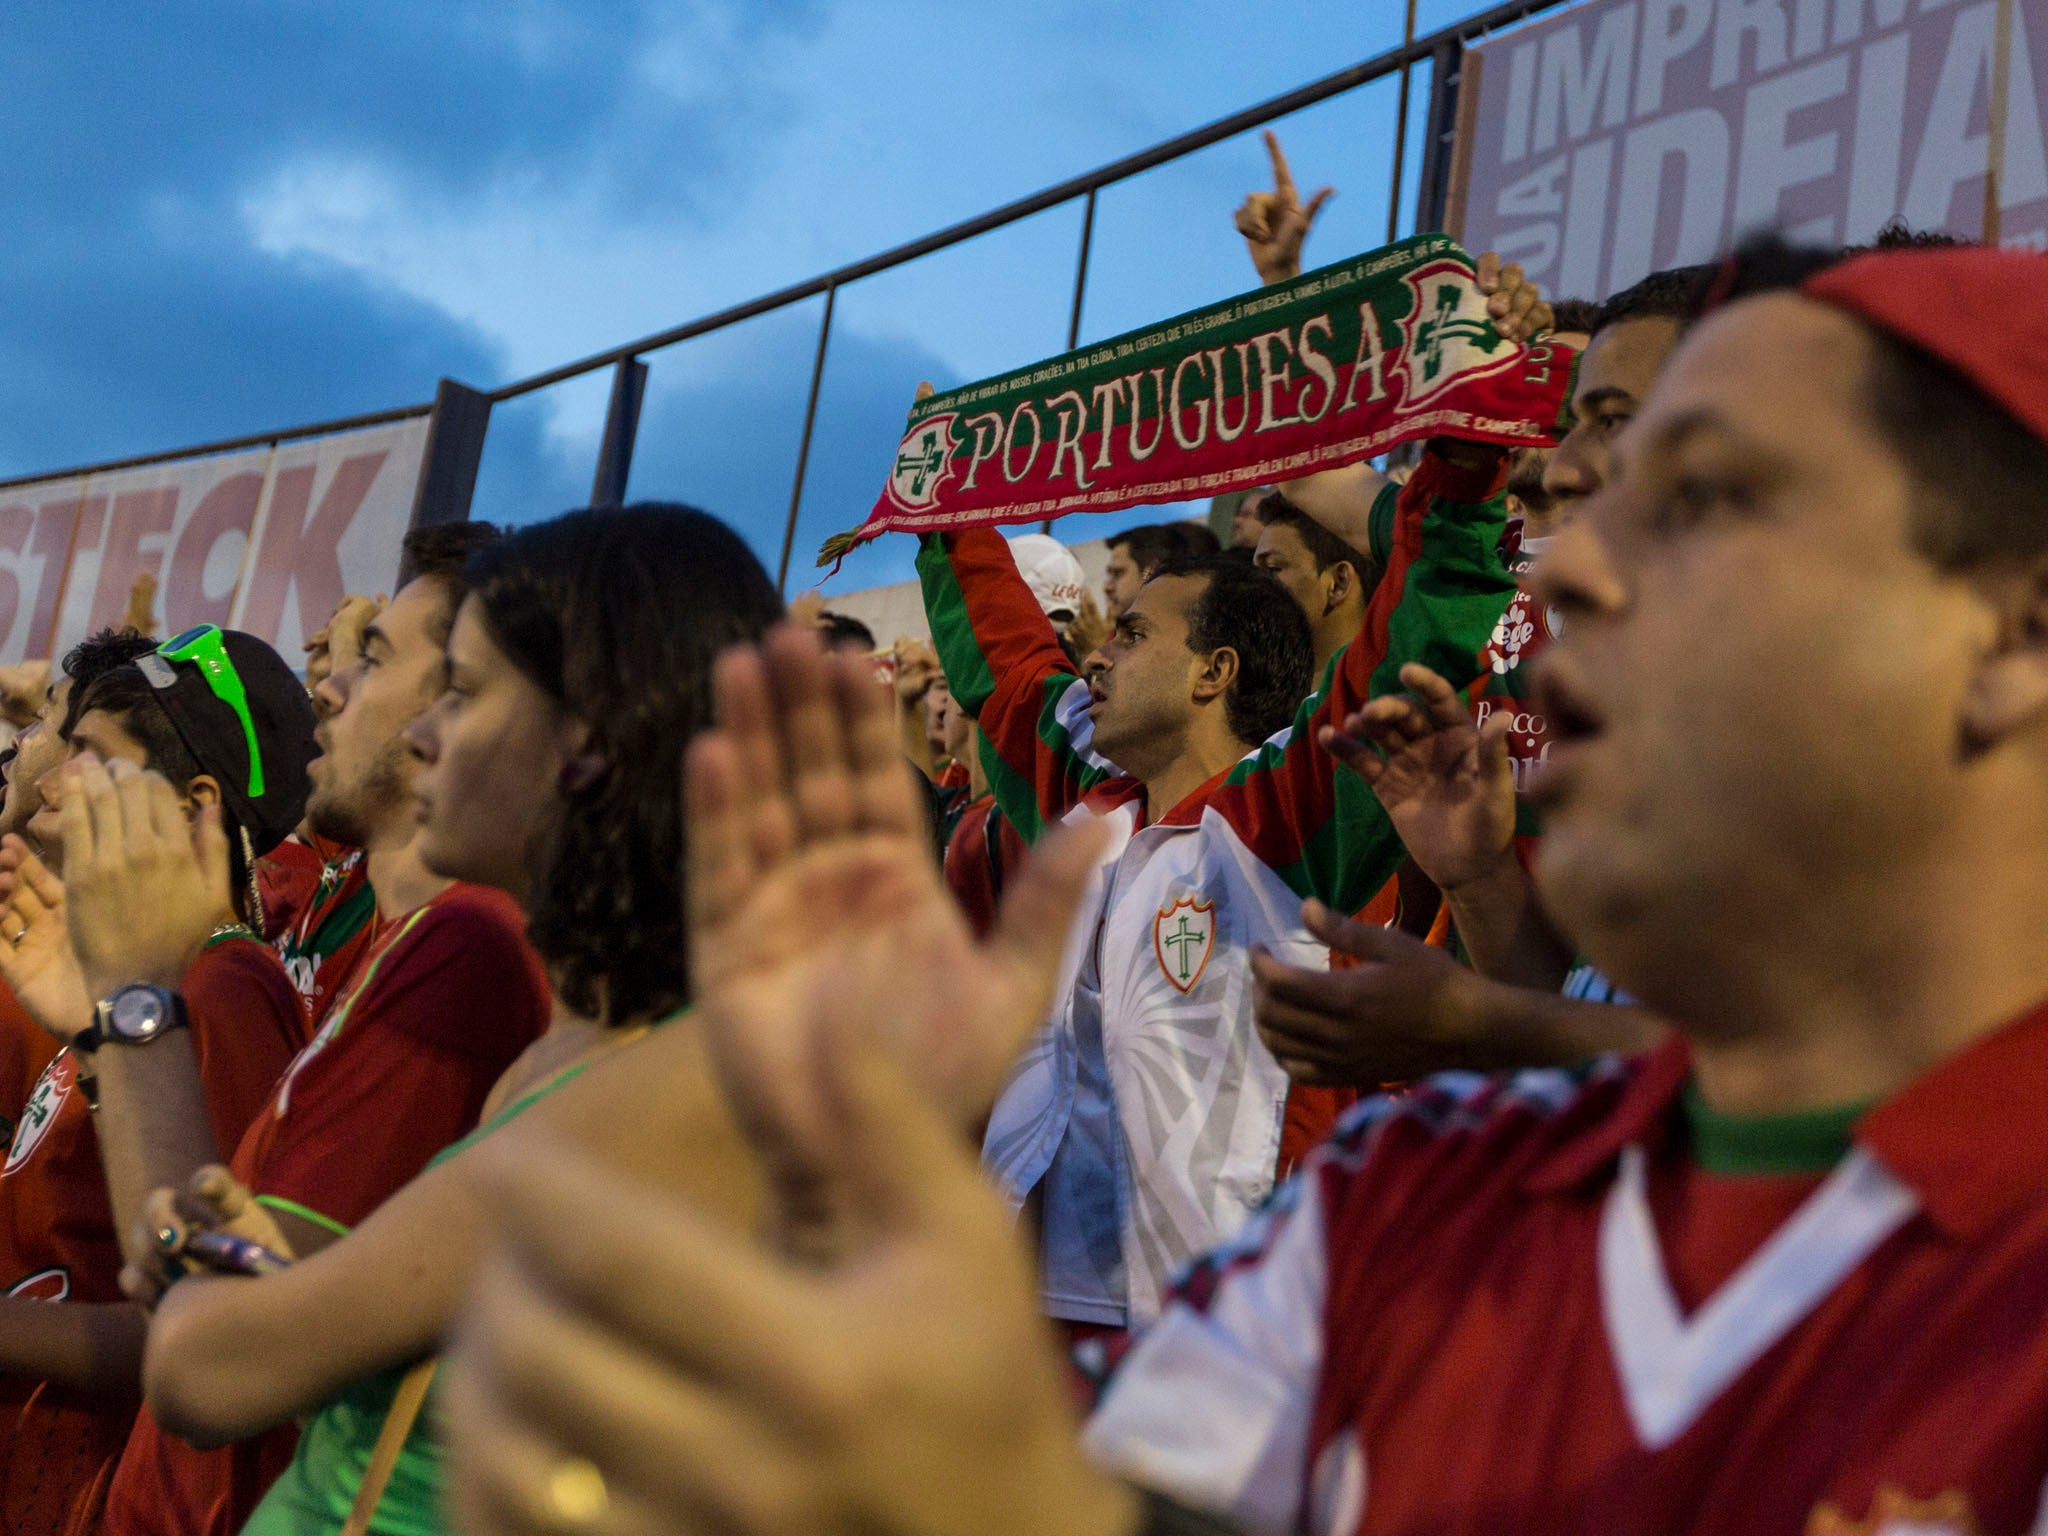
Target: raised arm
(1274, 225)
(1323, 831)
(1006, 668)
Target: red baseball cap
(1981, 310)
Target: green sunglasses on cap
(205, 649)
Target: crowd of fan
(1506, 996)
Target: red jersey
(441, 1005)
(982, 851)
(1495, 1305)
(57, 1239)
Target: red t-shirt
(441, 1005)
(980, 856)
(57, 1239)
(1510, 1305)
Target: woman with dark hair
(578, 668)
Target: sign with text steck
(1619, 137)
(267, 540)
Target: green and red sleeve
(1005, 667)
(1319, 827)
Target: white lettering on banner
(1663, 41)
(1571, 87)
(1699, 139)
(266, 540)
(1762, 20)
(1620, 136)
(1771, 163)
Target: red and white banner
(267, 541)
(1619, 137)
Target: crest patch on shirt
(1183, 936)
(51, 1090)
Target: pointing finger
(1283, 179)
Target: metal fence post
(1400, 133)
(803, 451)
(1446, 71)
(621, 423)
(1080, 291)
(455, 447)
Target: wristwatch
(132, 1015)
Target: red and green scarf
(1337, 365)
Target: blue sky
(229, 218)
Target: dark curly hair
(618, 613)
(441, 552)
(1246, 609)
(1677, 293)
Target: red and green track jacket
(1147, 1115)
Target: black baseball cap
(266, 794)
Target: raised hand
(815, 910)
(23, 687)
(35, 944)
(1406, 1009)
(141, 613)
(1090, 627)
(1519, 311)
(807, 608)
(915, 669)
(1274, 224)
(337, 645)
(1446, 785)
(629, 1366)
(144, 887)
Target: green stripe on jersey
(1804, 1141)
(303, 1212)
(945, 606)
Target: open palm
(816, 911)
(1445, 784)
(36, 958)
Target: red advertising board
(1618, 137)
(268, 540)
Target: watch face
(137, 1013)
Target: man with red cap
(1782, 1273)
